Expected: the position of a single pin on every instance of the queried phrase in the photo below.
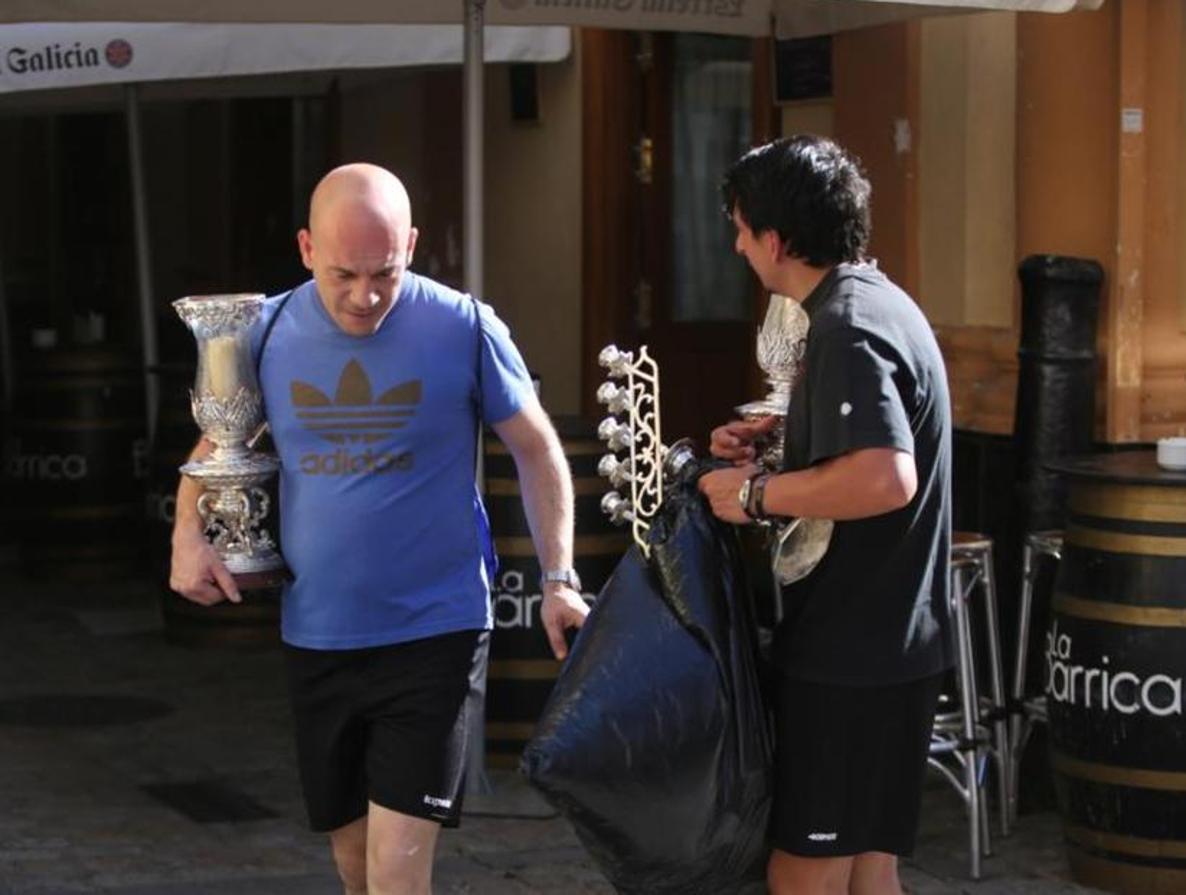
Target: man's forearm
(187, 521)
(853, 486)
(544, 483)
(546, 488)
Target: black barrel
(7, 529)
(255, 621)
(176, 435)
(1115, 666)
(522, 670)
(76, 462)
(1055, 410)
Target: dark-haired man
(865, 639)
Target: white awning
(56, 55)
(788, 18)
(746, 17)
(804, 18)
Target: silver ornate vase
(782, 344)
(228, 407)
(799, 545)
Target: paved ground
(101, 721)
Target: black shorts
(385, 724)
(849, 766)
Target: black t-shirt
(874, 611)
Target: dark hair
(809, 191)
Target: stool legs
(1026, 711)
(969, 705)
(1018, 723)
(999, 710)
(969, 748)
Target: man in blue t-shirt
(376, 382)
(866, 637)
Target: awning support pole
(148, 333)
(472, 137)
(473, 100)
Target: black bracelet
(758, 499)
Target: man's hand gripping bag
(655, 743)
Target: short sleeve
(271, 308)
(505, 381)
(855, 401)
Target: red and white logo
(119, 53)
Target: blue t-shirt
(380, 518)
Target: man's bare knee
(399, 853)
(349, 844)
(788, 874)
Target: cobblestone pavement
(99, 717)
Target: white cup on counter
(1171, 453)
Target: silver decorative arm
(631, 395)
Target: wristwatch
(561, 576)
(743, 494)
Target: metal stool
(960, 737)
(994, 708)
(1027, 712)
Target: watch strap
(561, 576)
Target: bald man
(376, 381)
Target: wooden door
(665, 115)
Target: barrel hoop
(114, 511)
(502, 761)
(1146, 504)
(524, 669)
(501, 487)
(1129, 526)
(571, 448)
(1059, 358)
(110, 551)
(583, 545)
(1126, 845)
(1140, 778)
(1117, 872)
(1114, 542)
(1123, 577)
(1118, 875)
(509, 730)
(1120, 613)
(55, 383)
(77, 425)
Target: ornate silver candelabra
(800, 544)
(228, 407)
(632, 432)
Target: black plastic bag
(655, 743)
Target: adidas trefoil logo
(354, 417)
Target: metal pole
(300, 196)
(148, 333)
(473, 102)
(473, 148)
(481, 797)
